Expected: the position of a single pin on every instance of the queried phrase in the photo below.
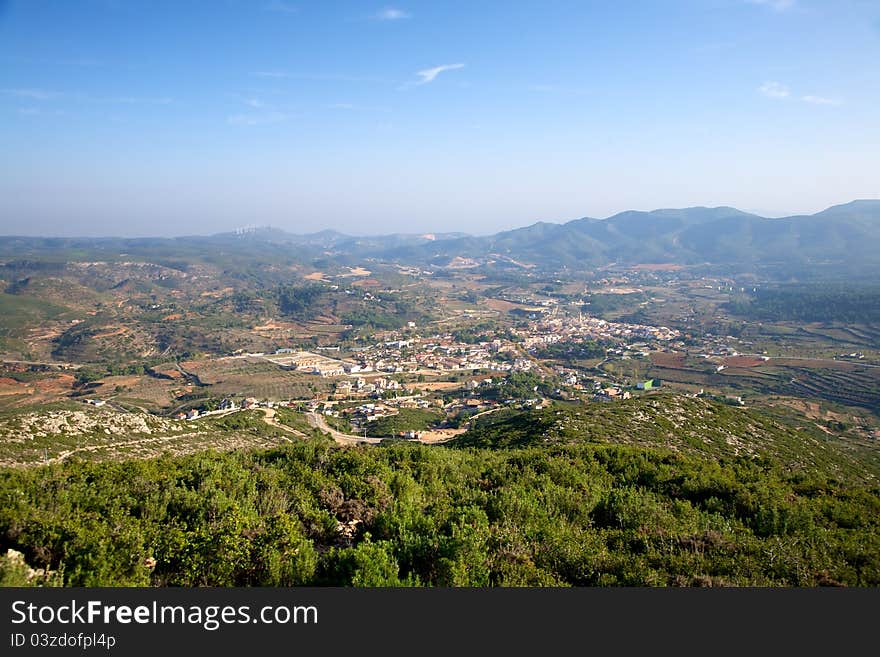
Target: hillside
(697, 427)
(655, 491)
(561, 515)
(722, 235)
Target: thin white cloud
(430, 74)
(263, 113)
(779, 91)
(391, 14)
(774, 90)
(555, 89)
(820, 100)
(351, 107)
(278, 74)
(133, 100)
(33, 94)
(281, 7)
(38, 111)
(270, 74)
(775, 5)
(42, 94)
(256, 118)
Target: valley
(156, 356)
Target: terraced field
(856, 387)
(850, 384)
(255, 378)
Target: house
(228, 405)
(192, 414)
(328, 370)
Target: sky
(152, 117)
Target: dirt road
(317, 421)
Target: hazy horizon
(258, 227)
(131, 118)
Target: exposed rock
(77, 423)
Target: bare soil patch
(743, 361)
(367, 282)
(439, 435)
(665, 359)
(437, 385)
(216, 294)
(658, 266)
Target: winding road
(317, 421)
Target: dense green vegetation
(570, 351)
(374, 319)
(311, 513)
(17, 313)
(517, 385)
(482, 332)
(598, 304)
(816, 303)
(299, 301)
(408, 419)
(699, 427)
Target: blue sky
(130, 117)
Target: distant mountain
(845, 235)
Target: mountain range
(841, 234)
(845, 236)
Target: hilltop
(696, 427)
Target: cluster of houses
(361, 388)
(610, 393)
(439, 353)
(225, 406)
(554, 329)
(401, 356)
(371, 412)
(404, 353)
